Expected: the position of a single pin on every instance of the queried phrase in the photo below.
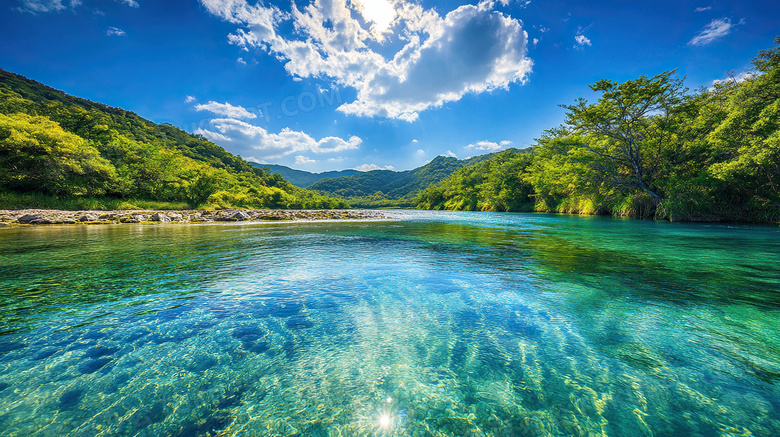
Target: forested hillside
(647, 147)
(58, 149)
(383, 188)
(302, 178)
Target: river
(432, 324)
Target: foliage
(647, 148)
(496, 184)
(387, 188)
(62, 146)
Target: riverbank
(27, 217)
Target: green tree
(625, 136)
(37, 155)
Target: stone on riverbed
(160, 217)
(30, 218)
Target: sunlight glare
(379, 12)
(384, 421)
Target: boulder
(141, 217)
(240, 216)
(175, 216)
(30, 218)
(88, 218)
(159, 217)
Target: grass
(12, 200)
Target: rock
(88, 218)
(240, 216)
(141, 217)
(3, 224)
(175, 216)
(162, 218)
(30, 218)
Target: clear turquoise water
(438, 324)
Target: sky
(331, 84)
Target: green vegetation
(301, 178)
(61, 151)
(647, 148)
(387, 188)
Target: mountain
(301, 178)
(386, 188)
(54, 146)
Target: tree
(625, 136)
(36, 154)
(748, 140)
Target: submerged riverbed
(436, 324)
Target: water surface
(436, 324)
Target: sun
(379, 12)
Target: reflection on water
(439, 324)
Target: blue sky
(365, 84)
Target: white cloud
(582, 41)
(43, 6)
(225, 109)
(302, 160)
(243, 136)
(489, 145)
(472, 49)
(338, 159)
(115, 31)
(414, 141)
(716, 29)
(36, 6)
(190, 99)
(535, 41)
(372, 167)
(703, 8)
(253, 159)
(420, 152)
(450, 154)
(241, 61)
(741, 77)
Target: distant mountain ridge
(302, 178)
(384, 188)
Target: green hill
(385, 188)
(56, 148)
(301, 178)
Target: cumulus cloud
(414, 141)
(131, 3)
(703, 8)
(484, 145)
(115, 31)
(450, 154)
(301, 160)
(241, 61)
(716, 29)
(225, 109)
(372, 167)
(472, 49)
(190, 99)
(582, 41)
(240, 135)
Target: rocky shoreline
(27, 217)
